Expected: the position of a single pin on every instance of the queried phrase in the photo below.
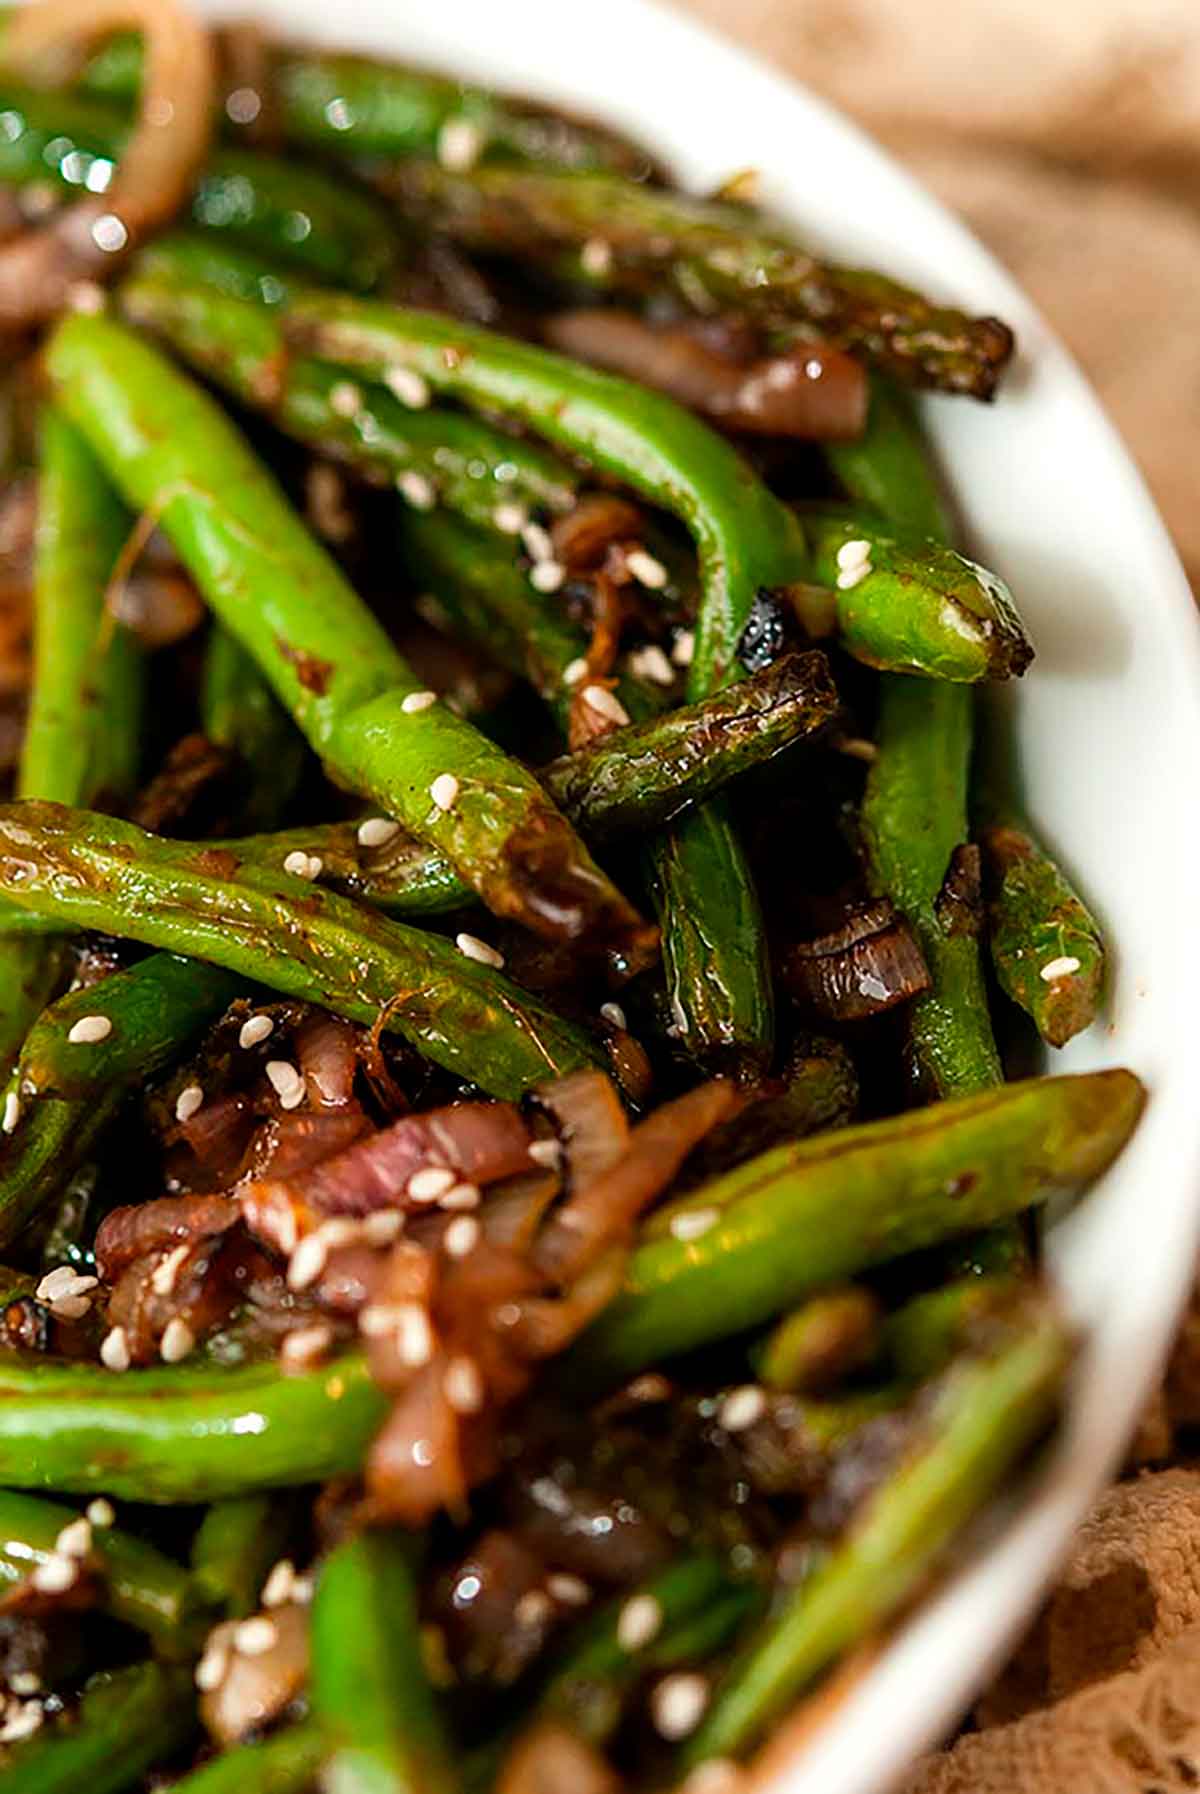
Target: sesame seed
(612, 1012)
(651, 663)
(109, 234)
(473, 948)
(345, 398)
(853, 554)
(444, 791)
(114, 1350)
(572, 1591)
(256, 1029)
(646, 569)
(89, 1029)
(189, 1100)
(463, 1386)
(255, 1636)
(25, 1681)
(23, 1724)
(303, 865)
(693, 1222)
(430, 1182)
(305, 1344)
(639, 1622)
(381, 1228)
(854, 576)
(412, 705)
(162, 1278)
(101, 1511)
(855, 747)
(601, 700)
(342, 1230)
(510, 519)
(377, 831)
(12, 1112)
(741, 1408)
(533, 1609)
(63, 1281)
(282, 1076)
(302, 1591)
(307, 1261)
(575, 671)
(212, 1668)
(595, 258)
(279, 1584)
(462, 1196)
(414, 1335)
(177, 1340)
(538, 543)
(411, 388)
(55, 1574)
(684, 648)
(678, 1704)
(547, 1153)
(547, 576)
(416, 489)
(461, 1237)
(75, 1539)
(459, 145)
(243, 106)
(1060, 968)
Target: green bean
(920, 1337)
(206, 260)
(918, 608)
(745, 537)
(361, 105)
(128, 1722)
(239, 712)
(824, 1210)
(984, 1415)
(235, 1546)
(370, 1693)
(82, 735)
(138, 1584)
(1046, 946)
(888, 470)
(185, 1434)
(465, 463)
(46, 1148)
(155, 1008)
(333, 666)
(334, 230)
(914, 814)
(713, 947)
(275, 928)
(914, 818)
(287, 1762)
(716, 257)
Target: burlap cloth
(1067, 132)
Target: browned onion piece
(585, 534)
(869, 964)
(129, 1233)
(327, 1052)
(256, 1687)
(479, 1142)
(812, 391)
(92, 238)
(549, 1759)
(604, 1209)
(591, 1123)
(414, 1467)
(546, 1325)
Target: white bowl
(1108, 722)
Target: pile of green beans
(501, 782)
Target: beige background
(1068, 133)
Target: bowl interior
(1107, 724)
